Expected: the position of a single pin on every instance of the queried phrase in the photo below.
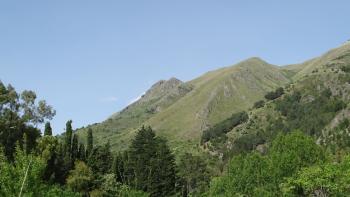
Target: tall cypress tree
(90, 142)
(81, 152)
(69, 133)
(75, 148)
(48, 129)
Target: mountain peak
(253, 63)
(254, 60)
(161, 88)
(166, 83)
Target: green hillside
(316, 102)
(181, 111)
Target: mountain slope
(316, 103)
(309, 66)
(217, 95)
(118, 128)
(181, 111)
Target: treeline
(32, 164)
(149, 165)
(35, 165)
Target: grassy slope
(307, 67)
(215, 97)
(310, 83)
(209, 99)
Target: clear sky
(89, 59)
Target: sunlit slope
(181, 111)
(316, 114)
(215, 96)
(313, 65)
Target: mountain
(181, 111)
(316, 103)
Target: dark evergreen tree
(152, 164)
(75, 148)
(142, 150)
(101, 159)
(162, 174)
(81, 152)
(63, 164)
(48, 129)
(128, 174)
(69, 133)
(118, 168)
(90, 142)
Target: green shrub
(275, 94)
(259, 104)
(224, 127)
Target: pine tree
(90, 142)
(142, 150)
(48, 129)
(69, 133)
(152, 163)
(162, 172)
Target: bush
(220, 129)
(345, 69)
(275, 94)
(259, 104)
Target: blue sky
(89, 59)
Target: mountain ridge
(181, 111)
(193, 105)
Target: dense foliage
(274, 94)
(256, 175)
(219, 130)
(312, 115)
(19, 114)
